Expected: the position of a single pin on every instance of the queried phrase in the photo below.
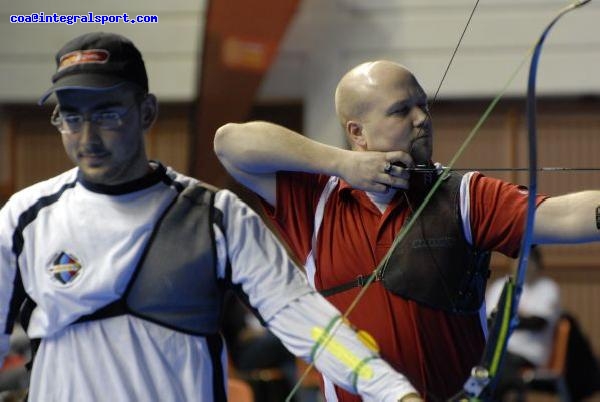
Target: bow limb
(482, 381)
(532, 141)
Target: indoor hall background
(569, 136)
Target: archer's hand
(376, 171)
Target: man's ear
(148, 111)
(355, 133)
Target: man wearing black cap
(118, 266)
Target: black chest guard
(175, 284)
(434, 264)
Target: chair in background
(311, 388)
(239, 390)
(552, 377)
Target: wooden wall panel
(5, 156)
(566, 139)
(38, 150)
(169, 139)
(39, 154)
(492, 147)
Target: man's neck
(382, 200)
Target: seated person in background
(14, 377)
(257, 355)
(530, 345)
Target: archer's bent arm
(254, 152)
(569, 218)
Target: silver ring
(387, 168)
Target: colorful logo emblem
(97, 56)
(65, 268)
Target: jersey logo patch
(65, 268)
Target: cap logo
(98, 56)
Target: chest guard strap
(175, 283)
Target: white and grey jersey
(72, 247)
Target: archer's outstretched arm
(569, 218)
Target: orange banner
(241, 41)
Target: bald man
(340, 210)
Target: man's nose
(89, 132)
(419, 116)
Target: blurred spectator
(531, 343)
(257, 355)
(582, 374)
(14, 377)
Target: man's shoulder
(188, 182)
(39, 194)
(191, 187)
(46, 188)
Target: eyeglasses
(71, 123)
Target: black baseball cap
(97, 60)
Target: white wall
(170, 47)
(329, 37)
(326, 38)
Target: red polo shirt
(435, 350)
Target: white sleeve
(260, 264)
(465, 205)
(345, 360)
(293, 311)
